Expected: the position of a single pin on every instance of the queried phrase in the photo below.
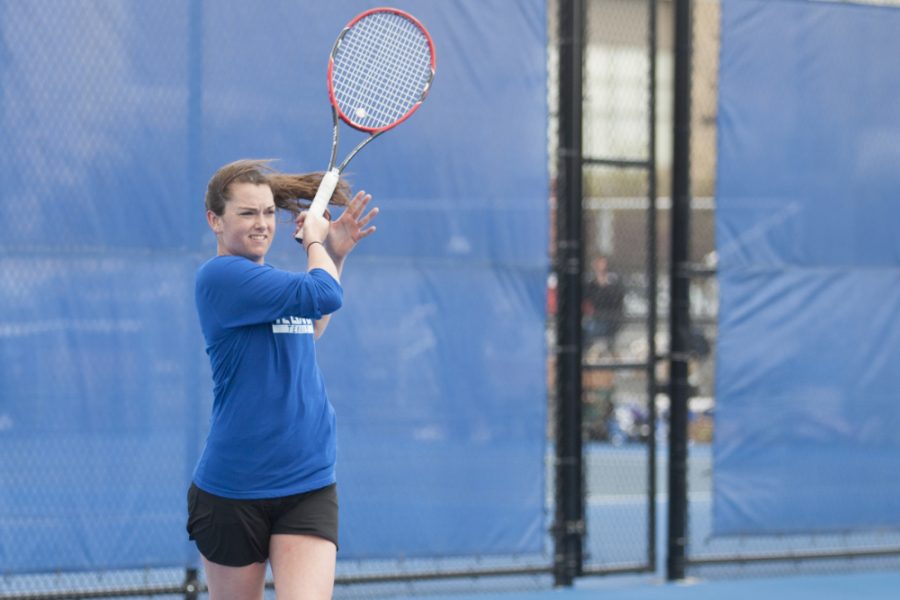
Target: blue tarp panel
(113, 115)
(808, 385)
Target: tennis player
(264, 488)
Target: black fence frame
(569, 523)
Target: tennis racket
(379, 72)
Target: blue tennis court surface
(871, 586)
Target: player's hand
(312, 228)
(351, 226)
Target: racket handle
(323, 194)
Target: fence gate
(604, 384)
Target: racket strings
(381, 84)
(381, 70)
(396, 43)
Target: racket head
(380, 69)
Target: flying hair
(292, 192)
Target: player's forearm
(322, 324)
(339, 265)
(318, 258)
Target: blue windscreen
(113, 116)
(807, 415)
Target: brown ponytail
(288, 189)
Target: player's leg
(303, 566)
(303, 546)
(235, 583)
(233, 539)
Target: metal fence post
(679, 325)
(568, 528)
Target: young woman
(264, 487)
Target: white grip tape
(323, 194)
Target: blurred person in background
(603, 309)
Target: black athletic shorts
(236, 533)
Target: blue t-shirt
(272, 430)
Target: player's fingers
(358, 204)
(368, 217)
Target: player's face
(247, 226)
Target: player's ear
(215, 222)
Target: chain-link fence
(620, 198)
(113, 114)
(619, 262)
(618, 307)
(723, 556)
(627, 135)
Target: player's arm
(352, 226)
(315, 232)
(320, 325)
(240, 292)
